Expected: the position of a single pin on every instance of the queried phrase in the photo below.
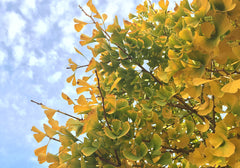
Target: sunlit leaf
(49, 131)
(203, 127)
(80, 24)
(163, 5)
(92, 64)
(90, 121)
(231, 87)
(65, 97)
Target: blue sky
(37, 39)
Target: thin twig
(81, 66)
(150, 3)
(103, 101)
(58, 111)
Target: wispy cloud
(55, 77)
(15, 25)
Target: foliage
(165, 90)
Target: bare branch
(58, 111)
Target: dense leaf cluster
(165, 91)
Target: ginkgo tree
(163, 90)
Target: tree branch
(103, 102)
(81, 66)
(58, 111)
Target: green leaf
(130, 156)
(88, 151)
(165, 159)
(156, 142)
(190, 127)
(64, 157)
(109, 133)
(83, 164)
(108, 166)
(51, 158)
(141, 151)
(125, 129)
(74, 163)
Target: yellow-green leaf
(163, 5)
(231, 87)
(49, 131)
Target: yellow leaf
(197, 157)
(92, 7)
(104, 16)
(34, 129)
(225, 149)
(236, 50)
(40, 150)
(215, 140)
(203, 127)
(72, 64)
(72, 78)
(114, 85)
(92, 64)
(49, 131)
(215, 89)
(231, 87)
(163, 5)
(206, 107)
(81, 109)
(50, 113)
(90, 121)
(166, 112)
(82, 100)
(42, 158)
(207, 29)
(200, 81)
(82, 89)
(69, 79)
(54, 124)
(186, 34)
(97, 16)
(51, 158)
(110, 103)
(140, 8)
(83, 83)
(78, 51)
(65, 97)
(183, 141)
(41, 154)
(39, 137)
(80, 24)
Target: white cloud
(4, 1)
(27, 7)
(15, 25)
(55, 77)
(18, 53)
(33, 61)
(124, 8)
(19, 110)
(3, 56)
(68, 44)
(38, 89)
(41, 27)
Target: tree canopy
(163, 90)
